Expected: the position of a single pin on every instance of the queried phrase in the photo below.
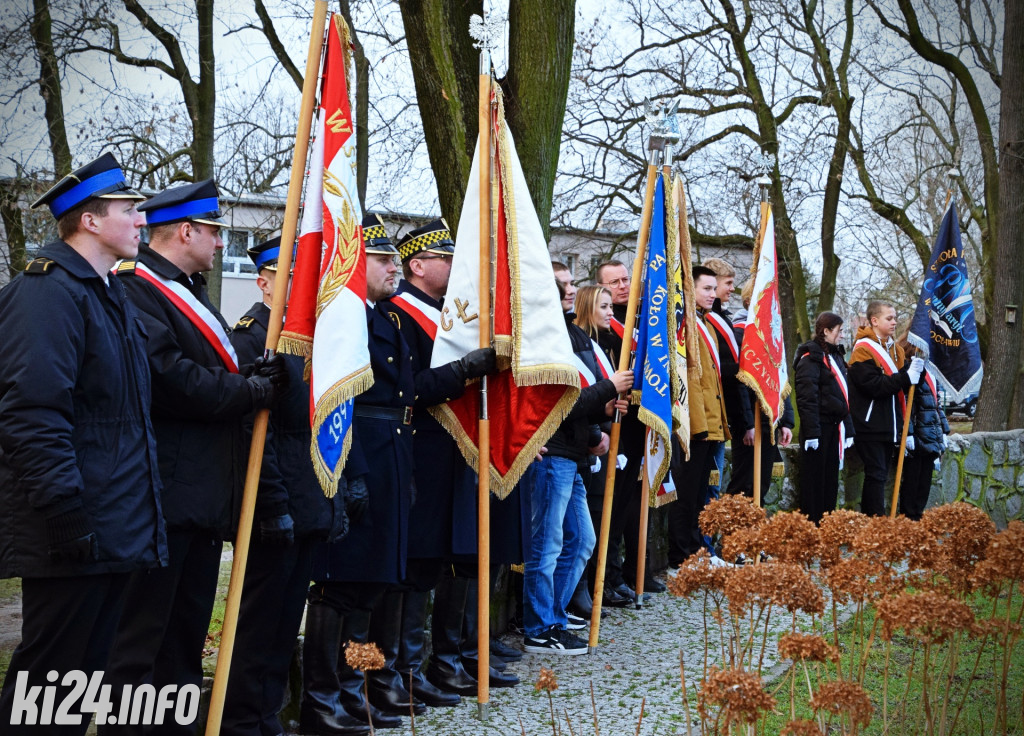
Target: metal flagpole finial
(486, 30)
(765, 164)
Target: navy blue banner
(944, 327)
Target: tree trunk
(11, 192)
(49, 88)
(541, 38)
(1001, 405)
(445, 72)
(203, 120)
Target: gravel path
(638, 657)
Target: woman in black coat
(826, 430)
(926, 439)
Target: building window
(236, 259)
(571, 260)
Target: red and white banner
(326, 317)
(763, 355)
(539, 380)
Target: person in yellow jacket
(708, 427)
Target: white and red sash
(931, 385)
(197, 313)
(618, 327)
(885, 362)
(587, 376)
(711, 343)
(723, 328)
(841, 380)
(426, 315)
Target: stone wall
(982, 468)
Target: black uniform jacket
(287, 481)
(198, 406)
(443, 517)
(74, 420)
(819, 397)
(375, 548)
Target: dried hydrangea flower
(742, 542)
(546, 680)
(801, 727)
(1004, 557)
(738, 694)
(807, 647)
(783, 584)
(837, 530)
(843, 696)
(861, 579)
(927, 616)
(365, 657)
(962, 533)
(790, 536)
(887, 539)
(729, 513)
(696, 574)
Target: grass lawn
(902, 697)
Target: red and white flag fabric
(539, 381)
(763, 354)
(326, 317)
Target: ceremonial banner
(326, 317)
(943, 327)
(656, 382)
(762, 354)
(538, 382)
(687, 350)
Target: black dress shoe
(394, 701)
(625, 591)
(651, 585)
(614, 599)
(507, 653)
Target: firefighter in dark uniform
(350, 576)
(292, 517)
(442, 523)
(200, 400)
(79, 484)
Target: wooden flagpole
(259, 431)
(906, 420)
(483, 600)
(624, 357)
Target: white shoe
(717, 561)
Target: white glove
(848, 444)
(595, 467)
(620, 462)
(910, 444)
(915, 370)
(810, 445)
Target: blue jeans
(561, 541)
(714, 490)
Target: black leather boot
(469, 642)
(322, 713)
(350, 681)
(410, 653)
(445, 670)
(581, 604)
(387, 687)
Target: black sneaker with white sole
(554, 641)
(575, 623)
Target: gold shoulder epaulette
(126, 267)
(39, 265)
(244, 323)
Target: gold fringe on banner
(343, 390)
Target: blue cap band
(184, 211)
(270, 254)
(83, 190)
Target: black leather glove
(277, 530)
(262, 391)
(273, 368)
(357, 500)
(69, 537)
(476, 363)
